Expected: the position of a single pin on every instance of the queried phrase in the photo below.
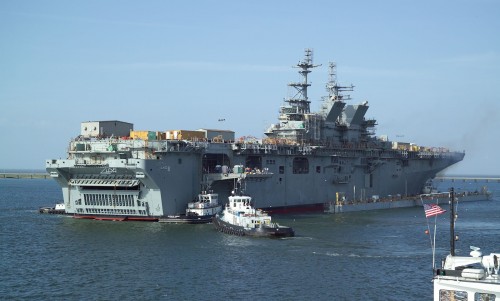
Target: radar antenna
(332, 86)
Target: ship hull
(296, 209)
(162, 188)
(352, 176)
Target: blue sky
(430, 70)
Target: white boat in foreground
(472, 278)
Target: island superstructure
(307, 160)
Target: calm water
(377, 255)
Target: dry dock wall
(355, 207)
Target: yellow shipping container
(414, 148)
(143, 135)
(184, 135)
(191, 135)
(161, 135)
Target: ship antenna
(300, 100)
(332, 86)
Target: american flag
(432, 210)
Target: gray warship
(307, 161)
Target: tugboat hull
(51, 210)
(185, 219)
(262, 231)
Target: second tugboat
(199, 212)
(239, 217)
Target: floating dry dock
(402, 202)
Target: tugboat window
(484, 296)
(452, 295)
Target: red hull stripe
(117, 218)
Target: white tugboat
(239, 217)
(474, 277)
(199, 212)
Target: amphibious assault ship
(307, 161)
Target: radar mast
(300, 102)
(332, 86)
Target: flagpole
(434, 244)
(452, 222)
(432, 210)
(428, 228)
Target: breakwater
(487, 179)
(23, 175)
